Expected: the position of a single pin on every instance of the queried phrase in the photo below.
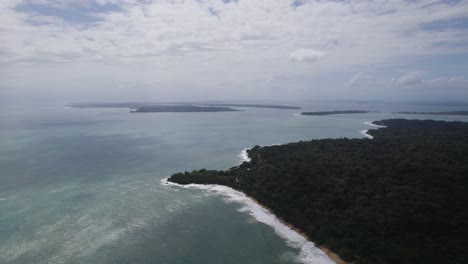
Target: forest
(400, 197)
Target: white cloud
(459, 83)
(410, 78)
(358, 33)
(306, 55)
(182, 43)
(361, 79)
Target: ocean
(84, 185)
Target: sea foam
(308, 252)
(364, 132)
(6, 198)
(244, 156)
(370, 123)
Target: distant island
(400, 197)
(136, 105)
(320, 113)
(182, 108)
(258, 106)
(463, 113)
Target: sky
(174, 50)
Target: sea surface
(84, 185)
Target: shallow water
(83, 185)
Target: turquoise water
(83, 185)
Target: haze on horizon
(174, 50)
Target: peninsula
(136, 105)
(397, 198)
(258, 106)
(182, 108)
(339, 112)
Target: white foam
(7, 198)
(309, 253)
(297, 114)
(244, 156)
(364, 132)
(371, 123)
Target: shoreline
(294, 236)
(364, 132)
(370, 123)
(332, 255)
(244, 157)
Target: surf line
(308, 252)
(369, 123)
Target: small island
(182, 108)
(400, 197)
(136, 105)
(339, 112)
(258, 106)
(462, 113)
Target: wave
(371, 123)
(364, 132)
(244, 156)
(7, 198)
(308, 252)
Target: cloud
(361, 79)
(413, 79)
(363, 32)
(192, 47)
(306, 55)
(410, 78)
(453, 83)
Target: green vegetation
(464, 113)
(320, 113)
(398, 198)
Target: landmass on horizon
(338, 112)
(138, 105)
(397, 198)
(182, 108)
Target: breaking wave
(308, 252)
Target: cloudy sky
(175, 50)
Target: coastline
(286, 191)
(370, 123)
(332, 255)
(244, 156)
(309, 252)
(364, 132)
